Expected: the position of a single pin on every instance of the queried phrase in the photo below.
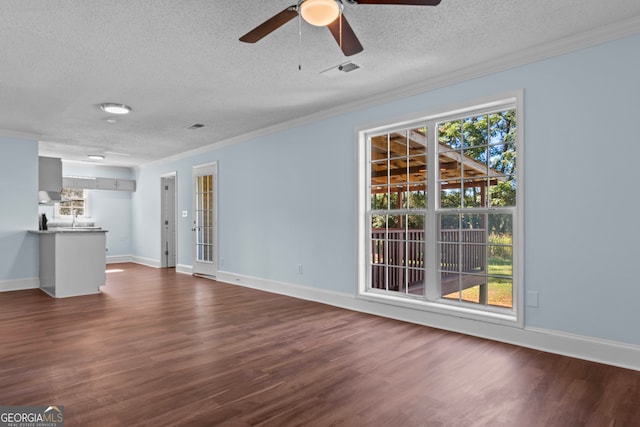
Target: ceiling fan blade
(350, 43)
(407, 2)
(270, 25)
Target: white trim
(163, 237)
(212, 168)
(513, 317)
(587, 348)
(51, 294)
(180, 268)
(155, 263)
(522, 57)
(518, 221)
(471, 106)
(19, 284)
(505, 317)
(184, 269)
(116, 259)
(86, 206)
(337, 299)
(540, 52)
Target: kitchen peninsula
(72, 261)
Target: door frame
(163, 230)
(206, 269)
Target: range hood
(50, 180)
(49, 197)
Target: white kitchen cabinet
(50, 174)
(68, 182)
(90, 183)
(126, 185)
(106, 184)
(79, 182)
(115, 184)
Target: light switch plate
(185, 214)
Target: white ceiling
(180, 62)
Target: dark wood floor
(158, 348)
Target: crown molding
(530, 55)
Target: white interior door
(168, 219)
(205, 227)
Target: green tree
(488, 139)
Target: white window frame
(86, 210)
(431, 302)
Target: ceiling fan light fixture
(320, 12)
(113, 108)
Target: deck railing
(462, 250)
(402, 252)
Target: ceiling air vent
(195, 126)
(337, 70)
(349, 66)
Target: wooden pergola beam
(396, 188)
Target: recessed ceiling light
(96, 157)
(113, 108)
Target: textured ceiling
(180, 62)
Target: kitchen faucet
(74, 215)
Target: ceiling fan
(325, 13)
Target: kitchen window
(440, 212)
(75, 200)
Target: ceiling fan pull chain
(299, 42)
(340, 29)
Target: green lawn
(500, 292)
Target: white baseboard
(180, 268)
(582, 347)
(19, 284)
(149, 262)
(598, 350)
(115, 259)
(184, 269)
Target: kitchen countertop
(69, 230)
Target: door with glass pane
(205, 219)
